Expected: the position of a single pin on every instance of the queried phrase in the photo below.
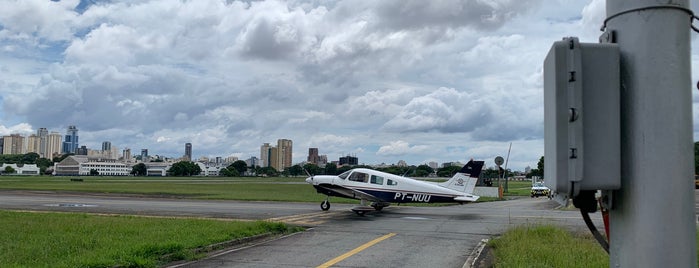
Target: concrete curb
(473, 257)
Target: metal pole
(652, 217)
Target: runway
(401, 236)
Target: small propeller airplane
(382, 189)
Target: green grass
(249, 189)
(547, 246)
(81, 240)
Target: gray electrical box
(581, 118)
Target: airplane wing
(336, 190)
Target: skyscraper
(313, 156)
(265, 155)
(70, 143)
(285, 153)
(107, 149)
(42, 142)
(127, 155)
(144, 155)
(13, 144)
(53, 144)
(188, 151)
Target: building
(188, 151)
(126, 155)
(83, 150)
(284, 150)
(81, 165)
(349, 160)
(144, 155)
(53, 145)
(252, 162)
(266, 155)
(33, 144)
(26, 169)
(313, 157)
(43, 142)
(70, 143)
(13, 144)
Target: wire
(600, 239)
(689, 11)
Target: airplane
(382, 189)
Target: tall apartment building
(70, 143)
(53, 144)
(33, 144)
(144, 155)
(313, 157)
(188, 151)
(278, 157)
(13, 144)
(284, 148)
(107, 149)
(126, 156)
(42, 142)
(265, 155)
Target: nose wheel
(325, 205)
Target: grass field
(81, 240)
(223, 188)
(251, 189)
(547, 246)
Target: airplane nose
(309, 180)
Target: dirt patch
(485, 259)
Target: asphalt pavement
(398, 236)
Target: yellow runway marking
(355, 251)
(308, 218)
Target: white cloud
(400, 147)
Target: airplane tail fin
(465, 180)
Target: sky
(385, 81)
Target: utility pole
(652, 220)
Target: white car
(539, 189)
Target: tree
(94, 172)
(229, 172)
(330, 169)
(184, 168)
(312, 169)
(295, 170)
(240, 166)
(139, 169)
(9, 170)
(448, 171)
(423, 171)
(267, 171)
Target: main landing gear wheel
(325, 205)
(360, 212)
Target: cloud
(445, 110)
(399, 147)
(386, 80)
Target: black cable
(689, 11)
(599, 237)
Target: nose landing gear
(325, 205)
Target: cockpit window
(376, 180)
(391, 182)
(359, 177)
(344, 174)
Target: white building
(82, 165)
(26, 169)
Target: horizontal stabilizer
(466, 198)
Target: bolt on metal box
(581, 118)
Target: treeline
(30, 158)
